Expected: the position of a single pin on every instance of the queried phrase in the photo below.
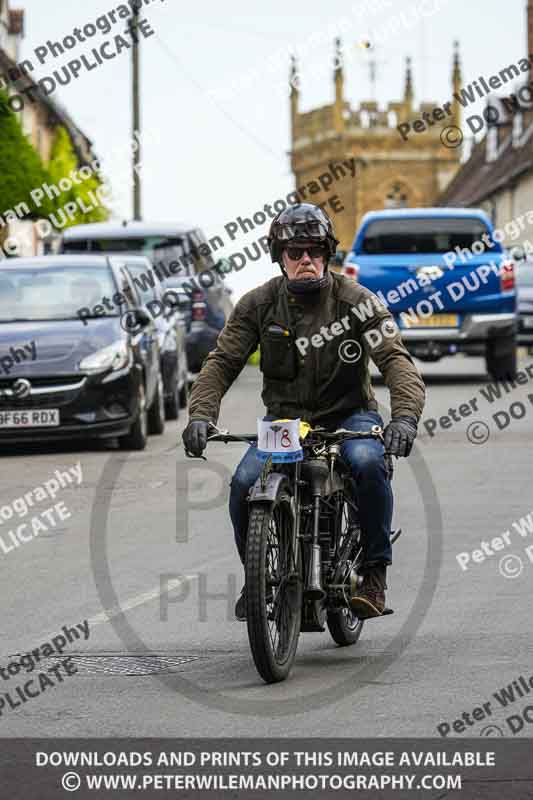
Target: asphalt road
(174, 662)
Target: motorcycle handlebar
(340, 434)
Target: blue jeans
(374, 492)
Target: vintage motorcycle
(303, 545)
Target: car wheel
(172, 406)
(156, 412)
(137, 438)
(184, 394)
(501, 358)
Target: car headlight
(115, 356)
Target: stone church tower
(390, 172)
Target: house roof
(81, 143)
(478, 179)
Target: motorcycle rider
(324, 385)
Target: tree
(21, 169)
(63, 161)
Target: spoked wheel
(345, 627)
(273, 589)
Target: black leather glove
(399, 435)
(195, 436)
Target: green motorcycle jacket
(315, 350)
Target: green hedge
(63, 161)
(21, 168)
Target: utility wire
(222, 110)
(240, 31)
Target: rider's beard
(308, 285)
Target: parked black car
(165, 245)
(171, 325)
(68, 368)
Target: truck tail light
(199, 308)
(198, 312)
(507, 278)
(351, 271)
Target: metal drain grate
(123, 664)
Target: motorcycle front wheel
(273, 588)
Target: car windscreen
(54, 293)
(160, 248)
(421, 235)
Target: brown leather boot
(368, 600)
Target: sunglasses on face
(314, 251)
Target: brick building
(390, 172)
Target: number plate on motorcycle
(279, 439)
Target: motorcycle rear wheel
(344, 626)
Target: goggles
(306, 229)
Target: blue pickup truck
(448, 283)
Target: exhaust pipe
(314, 589)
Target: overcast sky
(216, 153)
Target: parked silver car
(524, 285)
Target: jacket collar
(284, 300)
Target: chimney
(528, 110)
(16, 22)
